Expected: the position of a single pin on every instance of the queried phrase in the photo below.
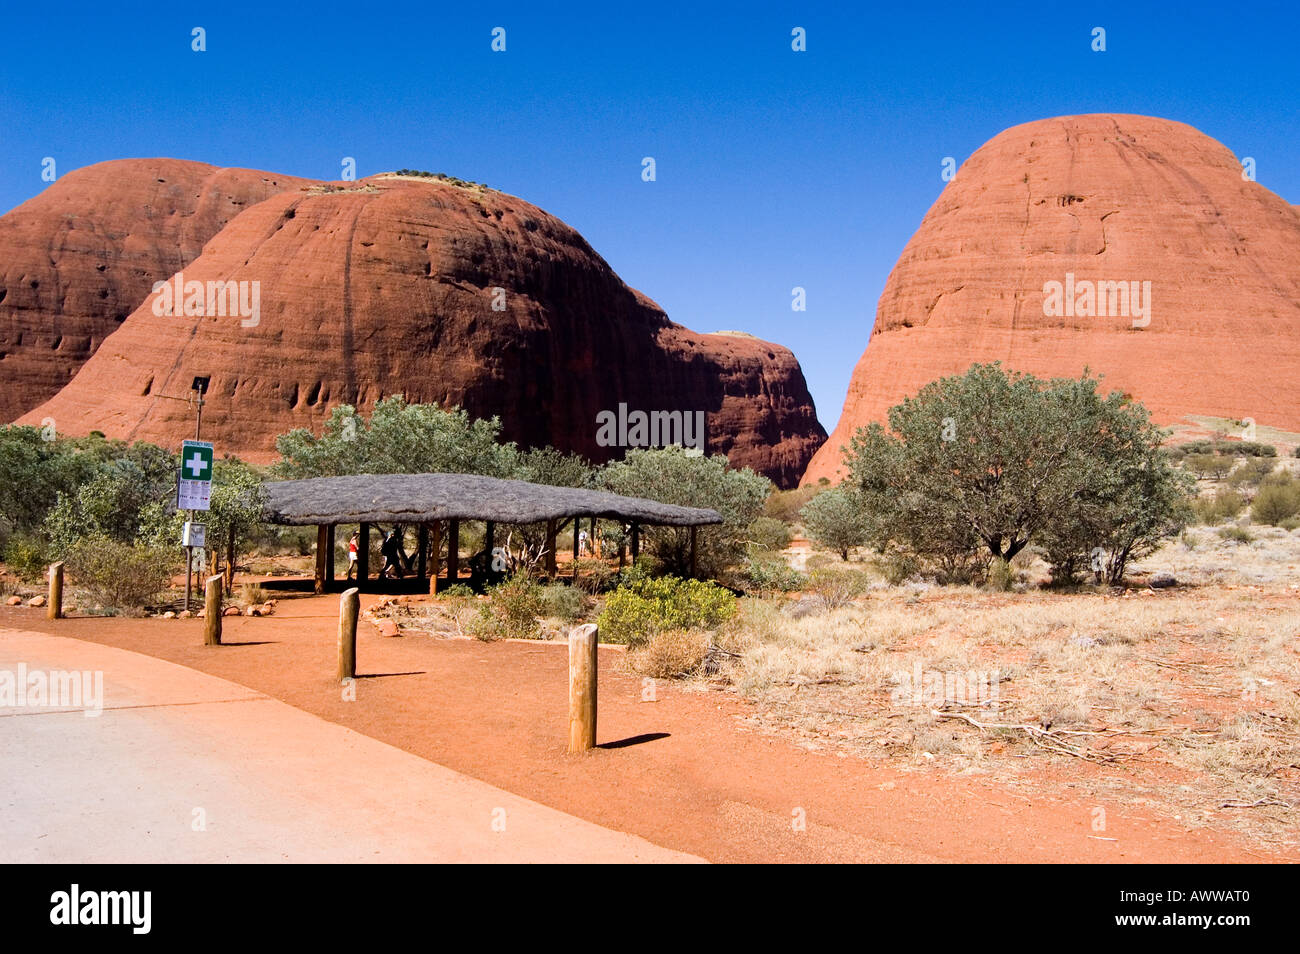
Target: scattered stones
(184, 614)
(169, 615)
(14, 601)
(387, 627)
(36, 601)
(231, 611)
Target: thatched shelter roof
(423, 498)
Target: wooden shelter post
(363, 555)
(422, 545)
(489, 540)
(322, 541)
(453, 551)
(693, 533)
(636, 541)
(329, 559)
(435, 551)
(551, 531)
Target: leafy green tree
(398, 438)
(672, 475)
(837, 520)
(546, 465)
(982, 464)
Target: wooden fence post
(55, 608)
(582, 687)
(212, 612)
(349, 607)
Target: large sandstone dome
(442, 292)
(78, 258)
(1101, 198)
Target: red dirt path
(689, 778)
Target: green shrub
(1224, 505)
(1235, 534)
(768, 533)
(1206, 466)
(1250, 472)
(593, 576)
(26, 556)
(457, 591)
(836, 519)
(644, 606)
(898, 566)
(120, 575)
(1290, 523)
(513, 609)
(567, 603)
(836, 586)
(1276, 502)
(772, 575)
(1000, 577)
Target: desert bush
(768, 533)
(1251, 471)
(457, 591)
(594, 576)
(1276, 501)
(250, 594)
(120, 575)
(898, 566)
(1223, 505)
(1290, 523)
(1206, 466)
(26, 555)
(837, 520)
(784, 505)
(835, 587)
(566, 603)
(1235, 534)
(670, 653)
(1000, 576)
(771, 575)
(513, 609)
(644, 605)
(816, 561)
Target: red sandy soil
(679, 771)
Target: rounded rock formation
(1085, 201)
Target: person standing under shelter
(352, 555)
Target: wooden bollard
(582, 687)
(55, 610)
(212, 611)
(349, 607)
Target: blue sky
(774, 168)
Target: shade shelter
(433, 502)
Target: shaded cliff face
(442, 293)
(81, 256)
(1092, 199)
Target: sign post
(193, 492)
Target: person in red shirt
(352, 555)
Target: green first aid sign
(196, 461)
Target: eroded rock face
(77, 259)
(1102, 198)
(440, 292)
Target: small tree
(398, 438)
(990, 461)
(672, 475)
(837, 520)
